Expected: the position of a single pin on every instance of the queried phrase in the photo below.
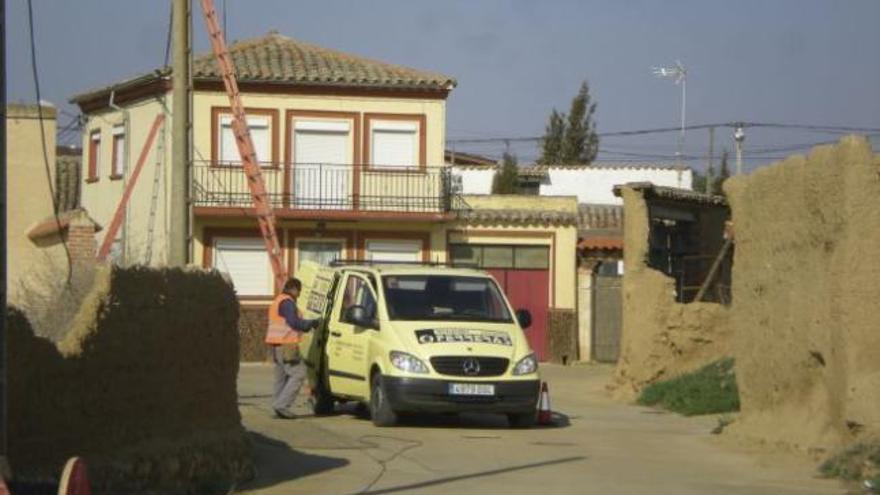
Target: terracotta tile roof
(529, 216)
(604, 243)
(597, 216)
(278, 59)
(649, 190)
(469, 160)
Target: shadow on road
(462, 477)
(481, 421)
(279, 463)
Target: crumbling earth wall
(143, 386)
(660, 338)
(806, 297)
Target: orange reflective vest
(278, 331)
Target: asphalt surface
(597, 446)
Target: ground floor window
(409, 251)
(322, 251)
(247, 264)
(500, 256)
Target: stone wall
(142, 384)
(806, 286)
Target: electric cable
(43, 141)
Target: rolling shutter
(394, 144)
(322, 170)
(246, 262)
(399, 251)
(260, 135)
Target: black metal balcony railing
(329, 187)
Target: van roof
(414, 269)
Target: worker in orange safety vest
(285, 327)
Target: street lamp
(739, 135)
(679, 74)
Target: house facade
(352, 154)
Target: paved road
(600, 447)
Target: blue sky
(789, 61)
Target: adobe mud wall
(806, 286)
(143, 385)
(660, 338)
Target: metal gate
(607, 317)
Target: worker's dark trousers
(289, 377)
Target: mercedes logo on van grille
(471, 367)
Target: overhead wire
(43, 142)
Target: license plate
(471, 389)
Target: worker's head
(292, 287)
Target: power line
(43, 141)
(639, 132)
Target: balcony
(328, 190)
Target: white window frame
(368, 252)
(217, 260)
(227, 153)
(118, 164)
(398, 127)
(343, 245)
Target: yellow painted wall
(436, 231)
(101, 198)
(29, 198)
(434, 110)
(563, 260)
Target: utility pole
(178, 241)
(709, 185)
(739, 136)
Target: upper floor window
(263, 128)
(118, 166)
(321, 142)
(94, 156)
(394, 143)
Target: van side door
(348, 342)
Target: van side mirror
(524, 317)
(358, 315)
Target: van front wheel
(380, 408)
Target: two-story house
(348, 147)
(352, 153)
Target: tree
(717, 180)
(722, 175)
(554, 133)
(580, 143)
(505, 180)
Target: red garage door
(523, 272)
(529, 289)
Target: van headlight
(526, 365)
(407, 362)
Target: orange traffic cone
(545, 414)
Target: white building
(591, 184)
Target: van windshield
(444, 297)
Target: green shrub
(709, 390)
(858, 462)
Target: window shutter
(394, 144)
(246, 262)
(321, 146)
(260, 136)
(405, 251)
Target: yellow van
(413, 338)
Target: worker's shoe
(284, 414)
